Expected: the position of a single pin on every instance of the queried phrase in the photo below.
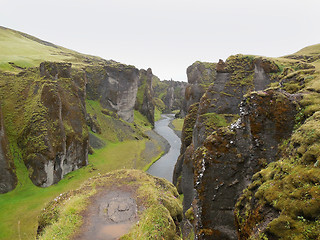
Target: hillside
(19, 51)
(63, 111)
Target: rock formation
(8, 179)
(115, 86)
(230, 133)
(169, 95)
(144, 101)
(200, 76)
(54, 139)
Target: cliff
(47, 107)
(44, 115)
(8, 179)
(236, 129)
(115, 86)
(169, 95)
(144, 101)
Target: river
(165, 165)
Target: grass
(62, 217)
(23, 205)
(27, 51)
(178, 123)
(310, 50)
(157, 114)
(69, 218)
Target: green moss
(241, 68)
(188, 124)
(189, 214)
(159, 104)
(157, 114)
(214, 120)
(305, 142)
(311, 103)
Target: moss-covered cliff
(44, 110)
(73, 112)
(44, 114)
(168, 95)
(145, 97)
(243, 126)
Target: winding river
(165, 165)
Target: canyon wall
(230, 133)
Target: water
(165, 165)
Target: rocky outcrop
(219, 161)
(115, 86)
(169, 95)
(200, 76)
(226, 83)
(54, 140)
(282, 201)
(174, 97)
(8, 179)
(228, 158)
(144, 101)
(251, 155)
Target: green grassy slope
(19, 50)
(22, 206)
(125, 143)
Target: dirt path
(109, 216)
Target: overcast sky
(168, 35)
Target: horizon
(168, 36)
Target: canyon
(249, 159)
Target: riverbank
(165, 165)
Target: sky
(168, 35)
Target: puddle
(112, 232)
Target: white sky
(168, 35)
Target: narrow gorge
(89, 145)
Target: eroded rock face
(115, 85)
(54, 141)
(200, 76)
(228, 144)
(8, 179)
(228, 158)
(226, 83)
(144, 100)
(169, 95)
(174, 97)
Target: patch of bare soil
(109, 216)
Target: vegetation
(178, 124)
(283, 200)
(19, 51)
(23, 204)
(157, 196)
(23, 108)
